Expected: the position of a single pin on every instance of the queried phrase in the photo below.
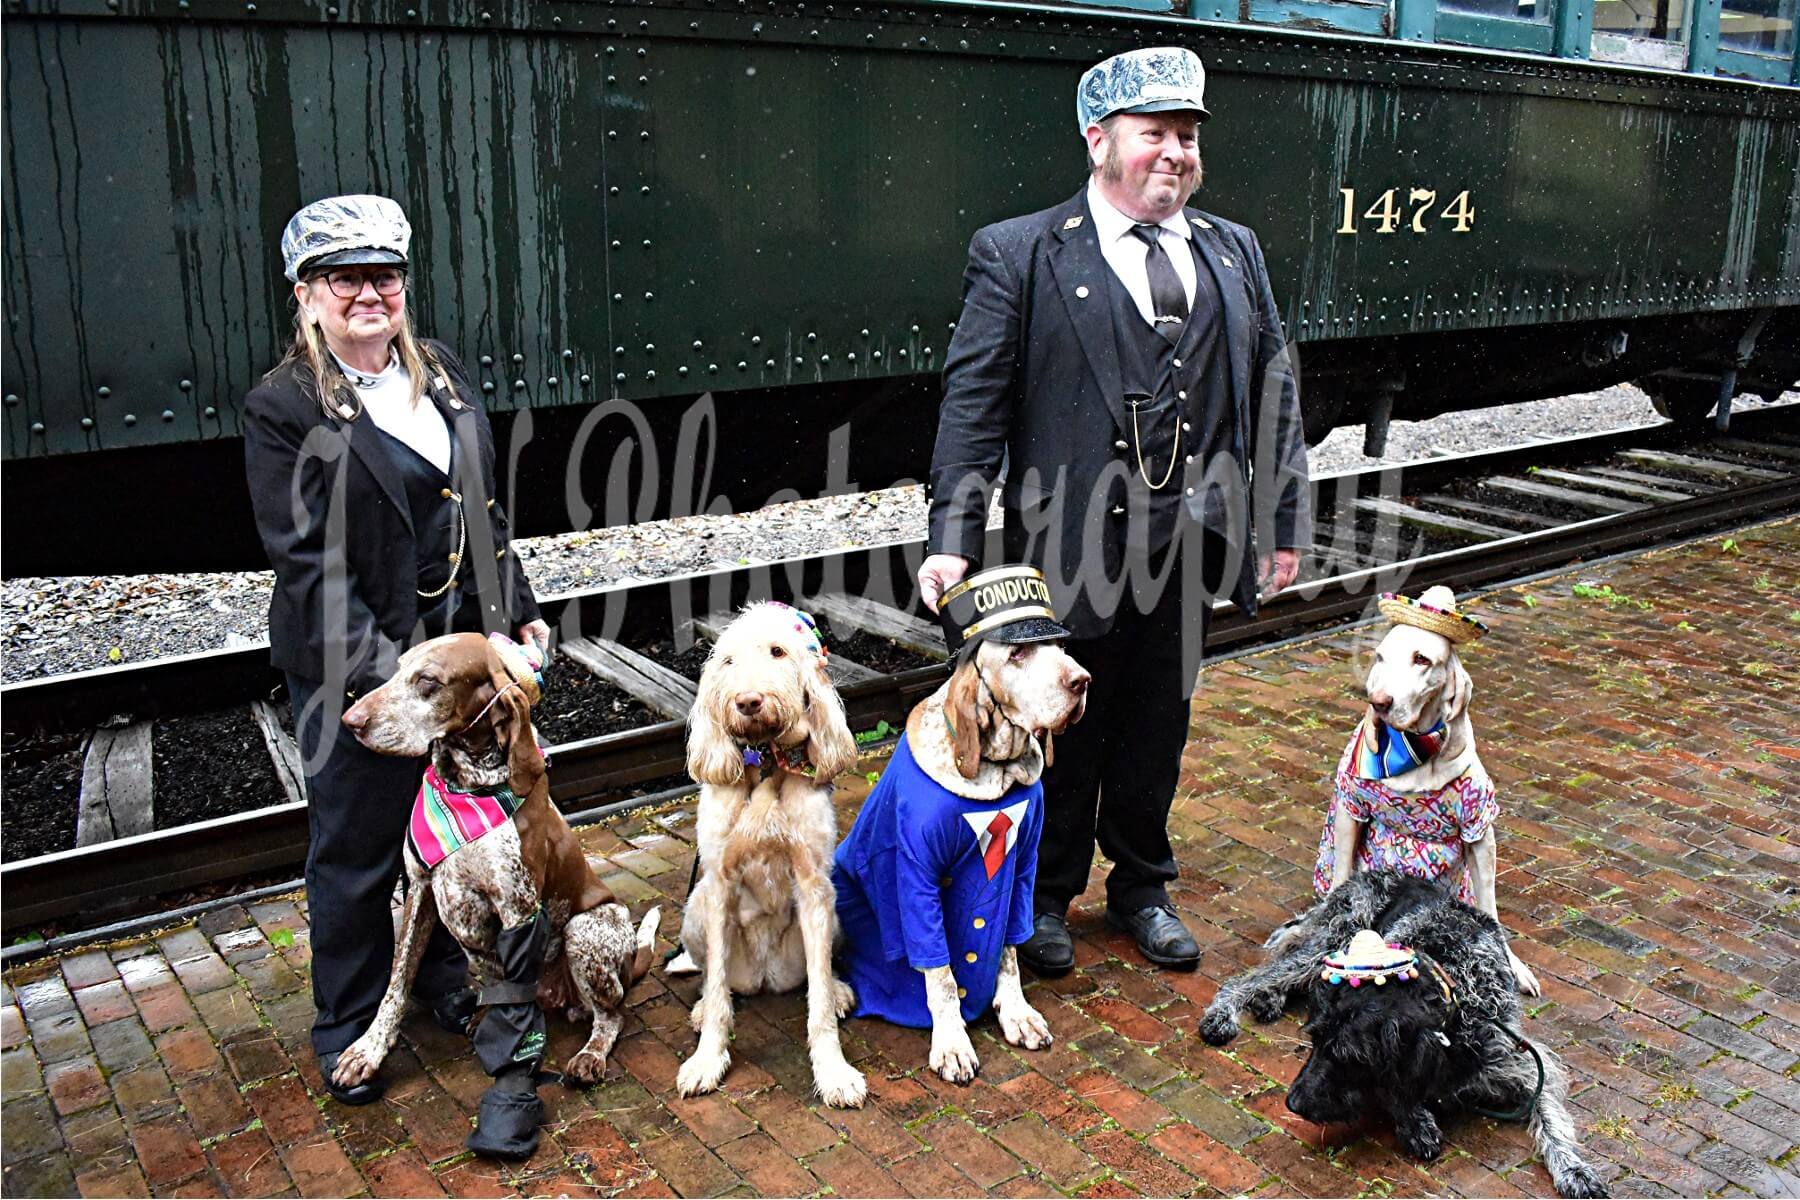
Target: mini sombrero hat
(1002, 604)
(1434, 611)
(1370, 958)
(524, 663)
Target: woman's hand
(537, 633)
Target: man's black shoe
(453, 1011)
(1160, 935)
(1048, 951)
(366, 1092)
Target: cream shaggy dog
(766, 737)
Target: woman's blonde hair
(334, 392)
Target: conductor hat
(1154, 79)
(1002, 604)
(345, 230)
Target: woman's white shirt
(387, 398)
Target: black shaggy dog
(1403, 1051)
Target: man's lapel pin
(1072, 223)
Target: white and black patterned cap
(340, 230)
(1155, 79)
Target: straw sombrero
(1434, 611)
(1370, 958)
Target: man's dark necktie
(1166, 293)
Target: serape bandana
(444, 821)
(1382, 752)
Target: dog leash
(1447, 985)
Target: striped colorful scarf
(1382, 752)
(444, 821)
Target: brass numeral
(1386, 213)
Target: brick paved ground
(1648, 765)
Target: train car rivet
(876, 356)
(12, 400)
(769, 364)
(37, 427)
(649, 374)
(649, 347)
(487, 360)
(712, 368)
(696, 343)
(743, 366)
(553, 381)
(620, 377)
(649, 296)
(168, 414)
(567, 355)
(644, 191)
(130, 420)
(518, 385)
(812, 337)
(644, 136)
(586, 379)
(612, 134)
(87, 422)
(103, 392)
(693, 27)
(616, 243)
(518, 358)
(756, 339)
(646, 243)
(186, 385)
(851, 356)
(212, 412)
(487, 385)
(618, 297)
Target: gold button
(455, 583)
(501, 552)
(944, 882)
(490, 504)
(961, 993)
(981, 922)
(455, 558)
(969, 957)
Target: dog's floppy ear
(962, 705)
(1458, 688)
(829, 746)
(511, 719)
(712, 757)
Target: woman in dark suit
(371, 470)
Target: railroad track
(1465, 520)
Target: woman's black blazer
(334, 519)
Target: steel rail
(106, 876)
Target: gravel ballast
(79, 623)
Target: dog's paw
(1420, 1136)
(1267, 1007)
(1581, 1180)
(356, 1064)
(702, 1072)
(584, 1066)
(1025, 1026)
(843, 998)
(1218, 1027)
(1523, 975)
(952, 1056)
(840, 1085)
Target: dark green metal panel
(632, 200)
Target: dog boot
(511, 1115)
(512, 1031)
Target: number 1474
(1389, 212)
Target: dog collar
(791, 759)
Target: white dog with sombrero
(1410, 792)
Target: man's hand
(1274, 571)
(537, 633)
(938, 574)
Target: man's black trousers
(358, 803)
(1115, 771)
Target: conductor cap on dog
(1155, 79)
(1002, 604)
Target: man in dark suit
(1122, 357)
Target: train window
(1644, 33)
(1758, 26)
(1521, 10)
(1503, 24)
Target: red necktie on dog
(996, 847)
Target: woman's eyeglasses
(348, 285)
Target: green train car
(624, 207)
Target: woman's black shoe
(1049, 951)
(366, 1092)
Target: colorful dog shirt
(444, 821)
(928, 878)
(1421, 833)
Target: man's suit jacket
(1032, 378)
(335, 521)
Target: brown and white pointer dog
(455, 698)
